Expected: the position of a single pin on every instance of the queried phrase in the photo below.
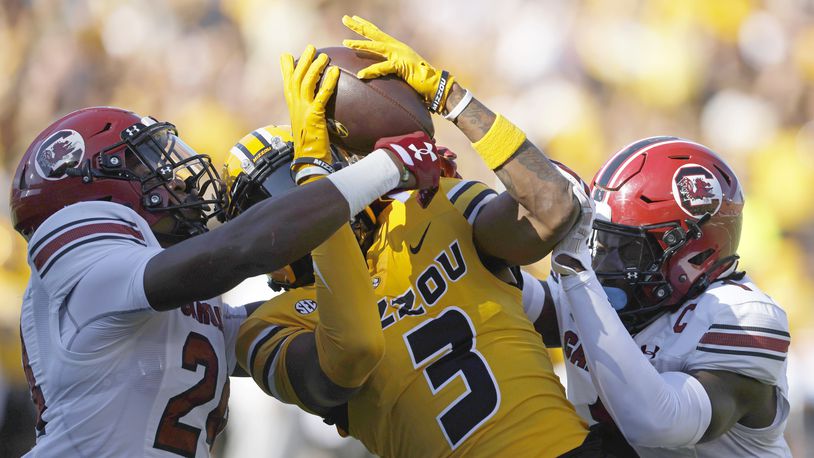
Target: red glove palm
(419, 155)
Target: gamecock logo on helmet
(697, 190)
(60, 151)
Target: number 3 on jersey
(450, 337)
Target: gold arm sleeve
(349, 337)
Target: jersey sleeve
(233, 317)
(469, 197)
(750, 339)
(264, 337)
(96, 252)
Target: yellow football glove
(431, 84)
(312, 152)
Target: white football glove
(575, 244)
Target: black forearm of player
(547, 204)
(546, 324)
(270, 235)
(736, 399)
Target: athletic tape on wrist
(500, 143)
(460, 107)
(366, 180)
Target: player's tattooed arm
(546, 210)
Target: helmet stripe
(244, 150)
(258, 134)
(614, 164)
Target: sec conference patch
(305, 306)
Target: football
(362, 111)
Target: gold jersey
(464, 372)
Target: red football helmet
(669, 214)
(105, 153)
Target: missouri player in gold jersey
(463, 372)
(449, 365)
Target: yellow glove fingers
(371, 31)
(326, 89)
(287, 67)
(311, 78)
(376, 70)
(365, 28)
(376, 47)
(305, 62)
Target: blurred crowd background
(582, 78)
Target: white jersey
(112, 377)
(732, 326)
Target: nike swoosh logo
(417, 248)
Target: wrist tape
(460, 107)
(365, 181)
(500, 142)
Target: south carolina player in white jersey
(666, 340)
(124, 352)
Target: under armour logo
(132, 130)
(650, 353)
(165, 171)
(427, 150)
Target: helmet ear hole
(699, 259)
(724, 174)
(23, 183)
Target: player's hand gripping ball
(306, 107)
(363, 111)
(433, 85)
(420, 156)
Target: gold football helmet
(259, 167)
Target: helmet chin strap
(709, 276)
(640, 318)
(182, 229)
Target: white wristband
(459, 108)
(365, 181)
